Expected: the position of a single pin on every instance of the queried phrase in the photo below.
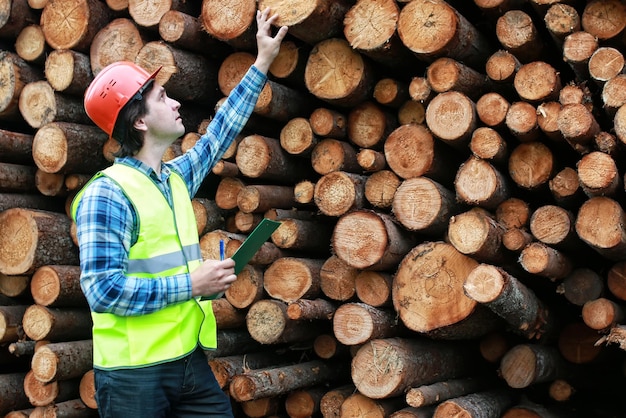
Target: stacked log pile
(449, 177)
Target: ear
(140, 124)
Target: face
(162, 121)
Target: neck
(152, 156)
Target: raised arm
(267, 46)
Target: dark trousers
(181, 388)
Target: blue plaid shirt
(107, 223)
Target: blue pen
(221, 249)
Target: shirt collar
(144, 168)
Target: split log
(119, 40)
(479, 183)
(68, 71)
(56, 324)
(304, 402)
(12, 391)
(598, 224)
(385, 368)
(435, 393)
(490, 403)
(17, 178)
(380, 188)
(73, 24)
(263, 383)
(268, 323)
(57, 286)
(521, 121)
(583, 285)
(543, 260)
(328, 123)
(311, 236)
(366, 239)
(369, 125)
(311, 309)
(487, 144)
(290, 278)
(434, 29)
(338, 192)
(376, 408)
(447, 74)
(355, 323)
(598, 175)
(527, 364)
(227, 191)
(60, 147)
(518, 34)
(531, 165)
(42, 394)
(186, 75)
(537, 82)
(513, 301)
(374, 288)
(605, 63)
(262, 197)
(337, 279)
(62, 361)
(390, 92)
(14, 286)
(602, 314)
(50, 184)
(227, 367)
(310, 21)
(34, 238)
(337, 74)
(289, 64)
(423, 205)
(370, 27)
(87, 390)
(11, 323)
(31, 201)
(73, 408)
(330, 404)
(15, 74)
(330, 155)
(31, 44)
(411, 151)
(39, 105)
(297, 137)
(247, 289)
(262, 157)
(437, 271)
(477, 234)
(451, 117)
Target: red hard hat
(113, 87)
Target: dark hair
(129, 138)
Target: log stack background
(449, 176)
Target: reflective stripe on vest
(167, 245)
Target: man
(141, 267)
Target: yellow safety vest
(167, 244)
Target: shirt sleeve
(227, 123)
(105, 223)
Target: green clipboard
(253, 242)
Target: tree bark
(355, 323)
(34, 238)
(435, 393)
(57, 286)
(543, 260)
(227, 367)
(73, 408)
(365, 239)
(62, 361)
(263, 197)
(281, 380)
(39, 105)
(11, 323)
(385, 368)
(60, 147)
(12, 391)
(290, 278)
(17, 178)
(56, 324)
(310, 236)
(583, 285)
